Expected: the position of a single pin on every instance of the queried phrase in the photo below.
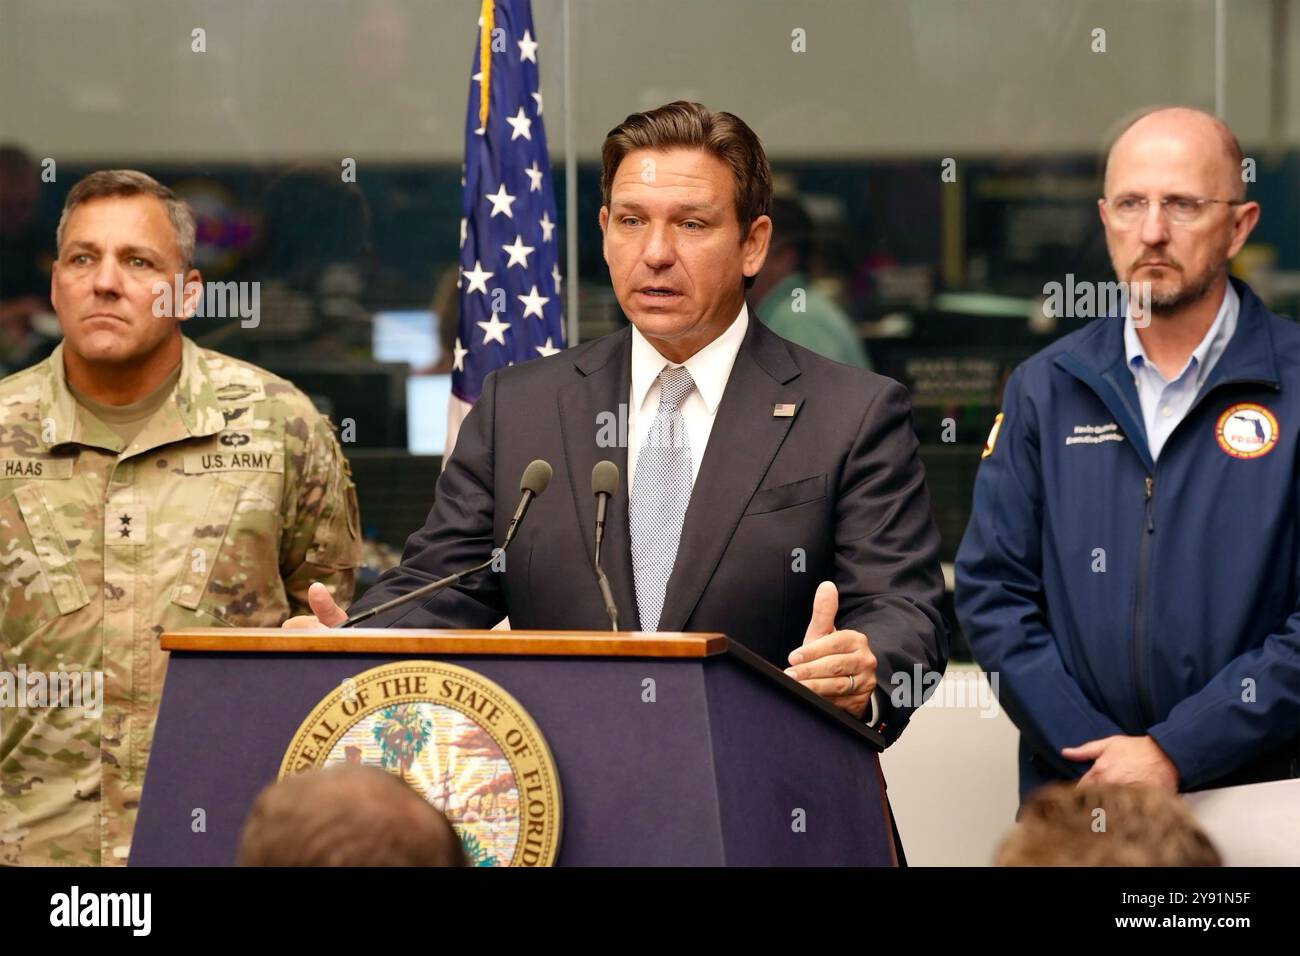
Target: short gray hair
(130, 182)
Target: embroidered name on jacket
(1094, 434)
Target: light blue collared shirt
(1165, 403)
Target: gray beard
(1172, 302)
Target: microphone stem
(536, 477)
(603, 582)
(416, 594)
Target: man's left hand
(837, 665)
(1125, 760)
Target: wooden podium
(731, 763)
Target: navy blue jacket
(1114, 595)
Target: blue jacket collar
(1249, 356)
(1097, 359)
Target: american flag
(509, 262)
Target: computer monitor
(407, 335)
(426, 413)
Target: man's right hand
(325, 613)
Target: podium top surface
(398, 641)
(664, 645)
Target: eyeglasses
(1130, 210)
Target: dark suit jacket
(835, 492)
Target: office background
(861, 105)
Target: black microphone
(604, 482)
(536, 477)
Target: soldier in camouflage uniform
(213, 499)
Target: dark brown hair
(682, 124)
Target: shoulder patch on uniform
(993, 436)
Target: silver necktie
(661, 490)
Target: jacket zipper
(1144, 557)
(1139, 610)
(1081, 372)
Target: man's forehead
(145, 210)
(1167, 154)
(120, 220)
(676, 169)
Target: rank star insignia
(126, 524)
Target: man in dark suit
(758, 467)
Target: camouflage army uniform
(229, 502)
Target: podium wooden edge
(619, 644)
(470, 642)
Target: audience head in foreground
(346, 816)
(1105, 825)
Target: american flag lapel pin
(783, 411)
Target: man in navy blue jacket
(1131, 570)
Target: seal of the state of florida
(458, 739)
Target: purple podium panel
(724, 767)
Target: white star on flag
(535, 178)
(494, 329)
(527, 48)
(478, 278)
(521, 125)
(518, 253)
(506, 173)
(501, 202)
(533, 303)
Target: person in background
(786, 301)
(26, 257)
(1105, 825)
(446, 313)
(346, 815)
